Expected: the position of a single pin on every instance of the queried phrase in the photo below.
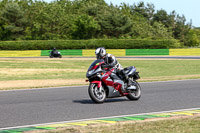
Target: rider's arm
(107, 65)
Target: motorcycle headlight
(91, 71)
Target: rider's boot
(128, 81)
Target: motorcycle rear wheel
(95, 94)
(135, 94)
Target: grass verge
(45, 72)
(184, 124)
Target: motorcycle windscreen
(95, 63)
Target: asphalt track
(26, 107)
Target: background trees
(14, 21)
(84, 27)
(87, 19)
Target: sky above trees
(190, 8)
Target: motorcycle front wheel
(135, 94)
(96, 94)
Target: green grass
(154, 68)
(180, 125)
(57, 68)
(189, 125)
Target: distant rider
(54, 52)
(111, 62)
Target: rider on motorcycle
(111, 62)
(54, 52)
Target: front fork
(99, 84)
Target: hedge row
(88, 44)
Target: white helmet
(100, 52)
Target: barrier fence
(116, 52)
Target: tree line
(92, 19)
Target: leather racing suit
(111, 62)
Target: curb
(104, 120)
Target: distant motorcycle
(102, 86)
(55, 54)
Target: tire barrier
(25, 53)
(115, 52)
(132, 52)
(186, 52)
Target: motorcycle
(55, 54)
(103, 85)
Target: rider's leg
(126, 78)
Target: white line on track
(43, 124)
(87, 85)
